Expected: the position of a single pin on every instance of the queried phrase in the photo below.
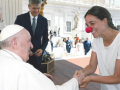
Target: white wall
(10, 9)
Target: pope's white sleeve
(72, 84)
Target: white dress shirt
(31, 18)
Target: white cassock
(15, 74)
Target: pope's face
(98, 26)
(34, 9)
(25, 45)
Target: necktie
(33, 25)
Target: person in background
(38, 28)
(76, 39)
(55, 34)
(48, 48)
(80, 48)
(68, 45)
(16, 74)
(87, 46)
(105, 50)
(51, 32)
(51, 42)
(59, 42)
(64, 44)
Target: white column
(98, 2)
(113, 2)
(10, 9)
(109, 3)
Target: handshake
(82, 79)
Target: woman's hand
(85, 81)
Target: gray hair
(34, 2)
(5, 43)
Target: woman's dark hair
(101, 13)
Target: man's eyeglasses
(1, 20)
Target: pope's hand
(80, 77)
(48, 75)
(38, 52)
(80, 72)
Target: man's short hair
(34, 2)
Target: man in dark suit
(68, 45)
(38, 28)
(87, 45)
(51, 32)
(51, 42)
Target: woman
(80, 49)
(76, 39)
(106, 50)
(64, 44)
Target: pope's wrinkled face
(34, 9)
(25, 45)
(98, 26)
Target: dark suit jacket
(87, 45)
(67, 42)
(41, 31)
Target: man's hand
(38, 52)
(49, 76)
(85, 81)
(79, 77)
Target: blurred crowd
(80, 47)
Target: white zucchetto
(9, 31)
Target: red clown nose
(88, 29)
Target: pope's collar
(11, 54)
